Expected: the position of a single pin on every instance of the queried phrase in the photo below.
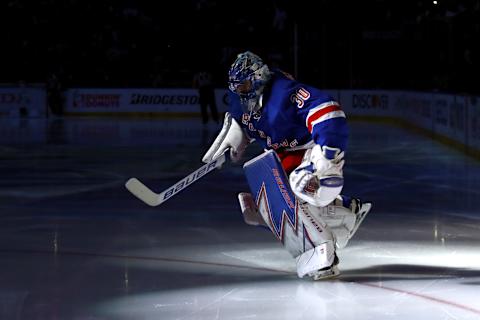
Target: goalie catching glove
(318, 180)
(230, 137)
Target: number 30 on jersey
(300, 97)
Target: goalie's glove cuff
(232, 137)
(319, 179)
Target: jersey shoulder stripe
(322, 112)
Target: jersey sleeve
(235, 106)
(323, 117)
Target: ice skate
(361, 209)
(328, 272)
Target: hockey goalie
(296, 183)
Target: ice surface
(74, 244)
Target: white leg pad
(250, 213)
(342, 221)
(305, 235)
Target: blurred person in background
(203, 81)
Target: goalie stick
(142, 192)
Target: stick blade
(142, 192)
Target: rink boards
(454, 119)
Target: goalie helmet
(247, 78)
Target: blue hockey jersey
(293, 114)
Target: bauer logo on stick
(141, 191)
(182, 184)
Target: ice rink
(75, 244)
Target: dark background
(413, 45)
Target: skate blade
(366, 207)
(331, 274)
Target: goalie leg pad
(343, 216)
(250, 213)
(289, 219)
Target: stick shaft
(142, 192)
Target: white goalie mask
(247, 78)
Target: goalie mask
(247, 78)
